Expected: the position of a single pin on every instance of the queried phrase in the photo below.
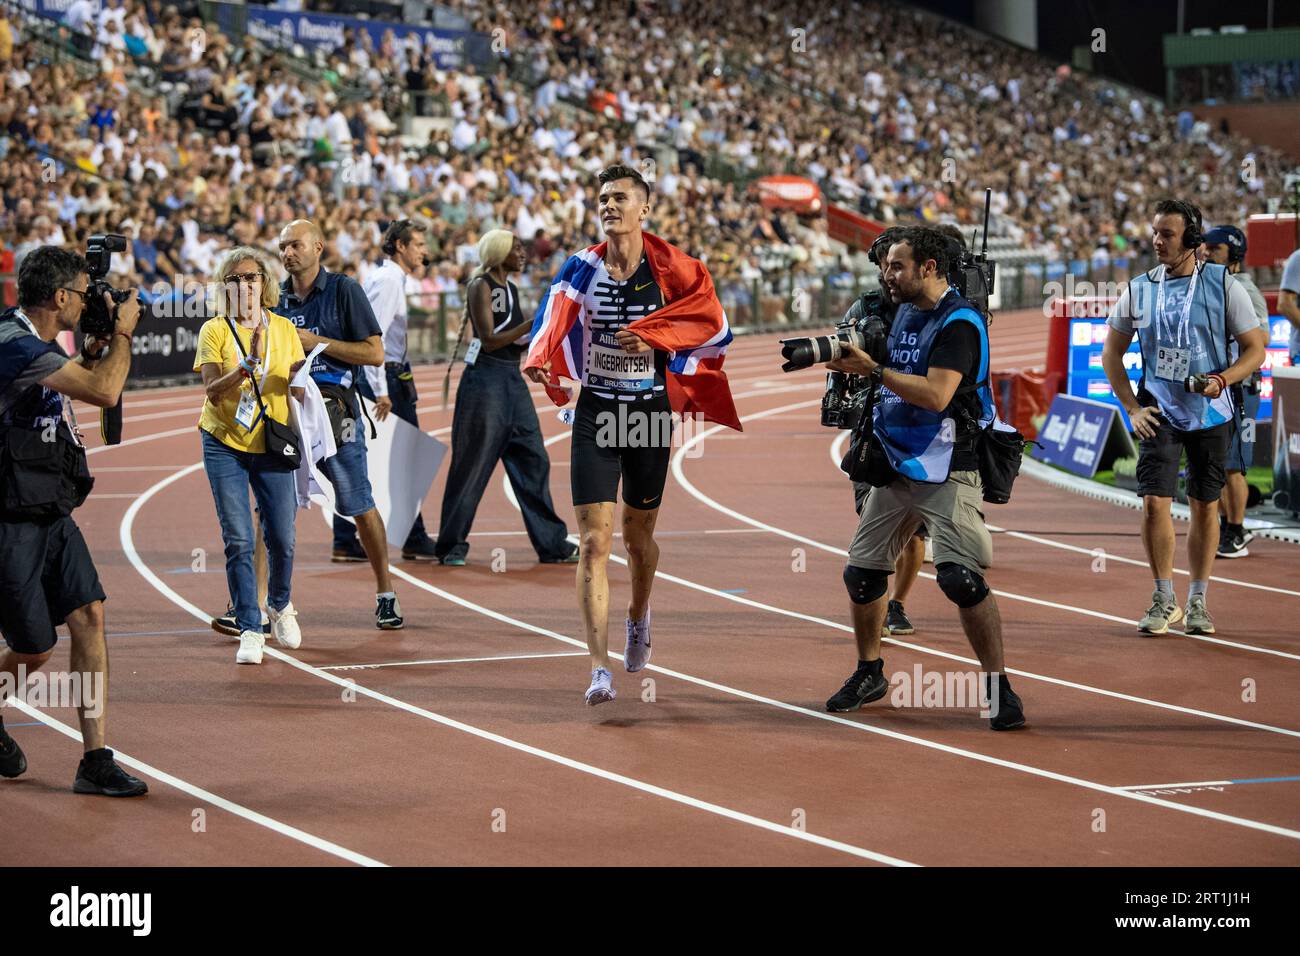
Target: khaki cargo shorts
(951, 510)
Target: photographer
(859, 395)
(1184, 317)
(47, 577)
(934, 398)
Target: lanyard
(265, 360)
(1183, 332)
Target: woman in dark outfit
(494, 418)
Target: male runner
(637, 322)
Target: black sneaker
(570, 558)
(352, 551)
(13, 762)
(388, 614)
(896, 621)
(1010, 713)
(102, 776)
(1232, 543)
(226, 624)
(421, 550)
(867, 684)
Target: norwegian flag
(691, 327)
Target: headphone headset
(1192, 234)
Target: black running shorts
(1158, 461)
(627, 440)
(45, 574)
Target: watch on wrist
(877, 375)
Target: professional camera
(96, 320)
(972, 275)
(848, 396)
(869, 332)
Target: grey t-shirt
(1291, 283)
(1240, 318)
(1256, 298)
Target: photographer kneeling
(934, 399)
(47, 577)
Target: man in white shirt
(392, 387)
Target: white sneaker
(284, 625)
(636, 654)
(250, 648)
(600, 690)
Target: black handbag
(281, 440)
(866, 461)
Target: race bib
(1173, 364)
(612, 369)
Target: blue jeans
(345, 532)
(230, 473)
(495, 421)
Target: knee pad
(962, 586)
(865, 584)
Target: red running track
(471, 745)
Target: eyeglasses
(78, 291)
(247, 278)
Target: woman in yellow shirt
(247, 342)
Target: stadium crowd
(189, 142)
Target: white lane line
(831, 549)
(1172, 786)
(837, 455)
(451, 660)
(261, 819)
(127, 442)
(128, 547)
(856, 725)
(130, 468)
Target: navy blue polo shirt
(26, 360)
(335, 307)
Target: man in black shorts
(636, 321)
(46, 575)
(1185, 317)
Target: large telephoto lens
(806, 352)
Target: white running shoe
(637, 653)
(284, 625)
(250, 648)
(600, 690)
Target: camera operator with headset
(1185, 317)
(847, 398)
(922, 461)
(47, 577)
(1226, 246)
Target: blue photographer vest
(918, 442)
(1203, 334)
